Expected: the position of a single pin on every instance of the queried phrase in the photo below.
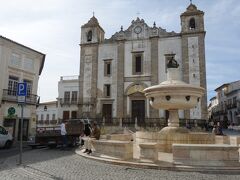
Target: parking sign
(22, 92)
(22, 89)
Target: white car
(6, 138)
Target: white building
(68, 97)
(212, 106)
(47, 114)
(114, 72)
(66, 106)
(228, 107)
(18, 63)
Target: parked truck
(51, 136)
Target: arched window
(89, 36)
(192, 24)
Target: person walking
(64, 134)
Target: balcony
(67, 101)
(11, 96)
(231, 106)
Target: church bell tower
(193, 56)
(92, 35)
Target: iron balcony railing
(68, 101)
(11, 96)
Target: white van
(6, 138)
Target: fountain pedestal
(173, 95)
(173, 120)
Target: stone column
(185, 66)
(202, 69)
(173, 120)
(120, 78)
(94, 81)
(154, 113)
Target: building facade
(228, 104)
(114, 71)
(68, 97)
(18, 63)
(52, 113)
(47, 114)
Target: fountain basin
(174, 94)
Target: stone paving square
(46, 164)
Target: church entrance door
(138, 110)
(107, 112)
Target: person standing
(64, 134)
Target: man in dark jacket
(95, 134)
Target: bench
(118, 149)
(206, 154)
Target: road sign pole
(21, 136)
(21, 93)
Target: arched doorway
(137, 103)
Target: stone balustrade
(232, 140)
(202, 154)
(222, 140)
(118, 149)
(120, 137)
(148, 151)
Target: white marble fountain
(173, 146)
(174, 94)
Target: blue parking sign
(22, 89)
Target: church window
(192, 24)
(107, 90)
(107, 68)
(137, 63)
(89, 36)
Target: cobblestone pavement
(46, 164)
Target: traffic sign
(22, 89)
(22, 92)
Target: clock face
(137, 29)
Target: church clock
(137, 29)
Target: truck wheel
(8, 144)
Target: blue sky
(53, 27)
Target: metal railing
(11, 96)
(68, 101)
(148, 122)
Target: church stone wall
(168, 46)
(136, 46)
(107, 52)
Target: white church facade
(114, 71)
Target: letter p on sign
(22, 89)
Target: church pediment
(140, 30)
(135, 89)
